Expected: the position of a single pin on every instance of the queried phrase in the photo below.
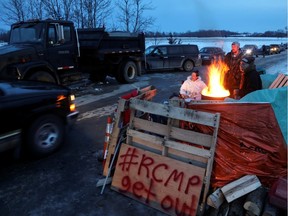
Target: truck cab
(39, 50)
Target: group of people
(240, 79)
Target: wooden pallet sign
(165, 140)
(280, 81)
(170, 186)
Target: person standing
(233, 75)
(250, 78)
(263, 51)
(192, 87)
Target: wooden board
(240, 187)
(279, 82)
(170, 186)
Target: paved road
(65, 182)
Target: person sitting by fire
(192, 87)
(250, 78)
(233, 75)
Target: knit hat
(236, 43)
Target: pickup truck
(55, 51)
(34, 116)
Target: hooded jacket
(250, 80)
(193, 89)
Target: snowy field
(223, 42)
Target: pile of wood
(246, 196)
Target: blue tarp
(277, 97)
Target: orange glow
(60, 97)
(215, 88)
(72, 107)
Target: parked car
(167, 57)
(275, 49)
(34, 116)
(209, 54)
(250, 50)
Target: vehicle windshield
(27, 32)
(249, 47)
(149, 50)
(205, 50)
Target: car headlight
(72, 103)
(249, 51)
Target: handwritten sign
(168, 185)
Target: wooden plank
(283, 82)
(215, 199)
(276, 81)
(147, 137)
(187, 148)
(240, 187)
(186, 157)
(191, 136)
(174, 112)
(150, 126)
(279, 81)
(170, 186)
(147, 95)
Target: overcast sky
(233, 15)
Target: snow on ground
(279, 68)
(223, 42)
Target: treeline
(4, 36)
(217, 33)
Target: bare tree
(35, 9)
(13, 11)
(131, 15)
(94, 12)
(59, 9)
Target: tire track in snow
(97, 113)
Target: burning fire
(215, 88)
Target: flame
(215, 88)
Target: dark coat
(252, 81)
(233, 75)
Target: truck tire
(42, 76)
(188, 66)
(45, 135)
(127, 73)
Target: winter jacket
(193, 89)
(252, 81)
(233, 75)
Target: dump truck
(55, 51)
